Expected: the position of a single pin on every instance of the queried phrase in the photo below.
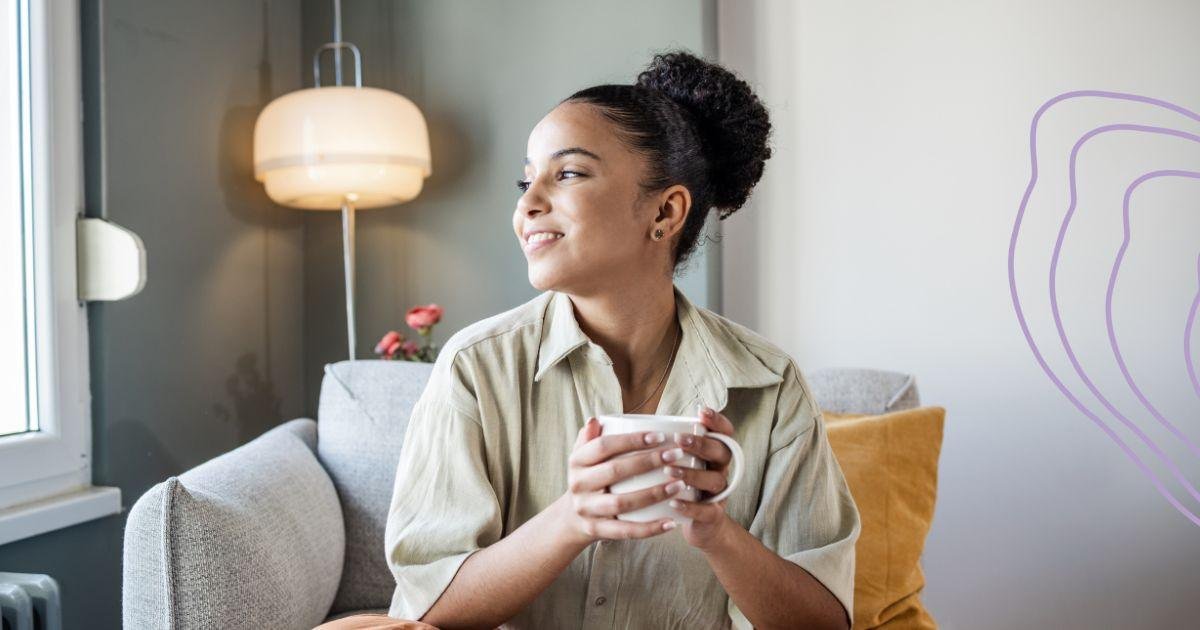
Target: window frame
(46, 475)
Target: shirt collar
(714, 358)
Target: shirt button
(600, 600)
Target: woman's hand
(590, 510)
(709, 520)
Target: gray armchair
(286, 531)
(863, 390)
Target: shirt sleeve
(806, 513)
(444, 507)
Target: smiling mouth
(537, 241)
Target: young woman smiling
(500, 514)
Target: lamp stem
(348, 256)
(337, 38)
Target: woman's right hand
(591, 510)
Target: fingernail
(675, 486)
(668, 526)
(675, 504)
(655, 438)
(673, 471)
(700, 409)
(686, 440)
(672, 455)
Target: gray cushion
(363, 412)
(249, 539)
(863, 390)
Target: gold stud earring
(658, 234)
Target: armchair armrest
(252, 538)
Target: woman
(499, 514)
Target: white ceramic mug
(672, 428)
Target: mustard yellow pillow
(890, 462)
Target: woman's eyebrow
(580, 150)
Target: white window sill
(57, 512)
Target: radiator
(29, 601)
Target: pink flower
(410, 348)
(384, 344)
(391, 350)
(423, 316)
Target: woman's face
(582, 183)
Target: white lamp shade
(314, 148)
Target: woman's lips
(542, 244)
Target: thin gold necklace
(675, 347)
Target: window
(45, 405)
(15, 382)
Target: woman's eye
(523, 185)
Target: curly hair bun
(732, 123)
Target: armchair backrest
(361, 418)
(363, 414)
(863, 390)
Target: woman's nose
(531, 204)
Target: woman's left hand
(709, 520)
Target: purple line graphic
(1112, 337)
(1062, 232)
(1187, 334)
(1145, 439)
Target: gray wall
(483, 73)
(244, 300)
(210, 353)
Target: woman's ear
(673, 207)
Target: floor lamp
(348, 148)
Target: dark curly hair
(698, 125)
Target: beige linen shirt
(487, 448)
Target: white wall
(880, 236)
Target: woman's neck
(636, 327)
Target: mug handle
(737, 463)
